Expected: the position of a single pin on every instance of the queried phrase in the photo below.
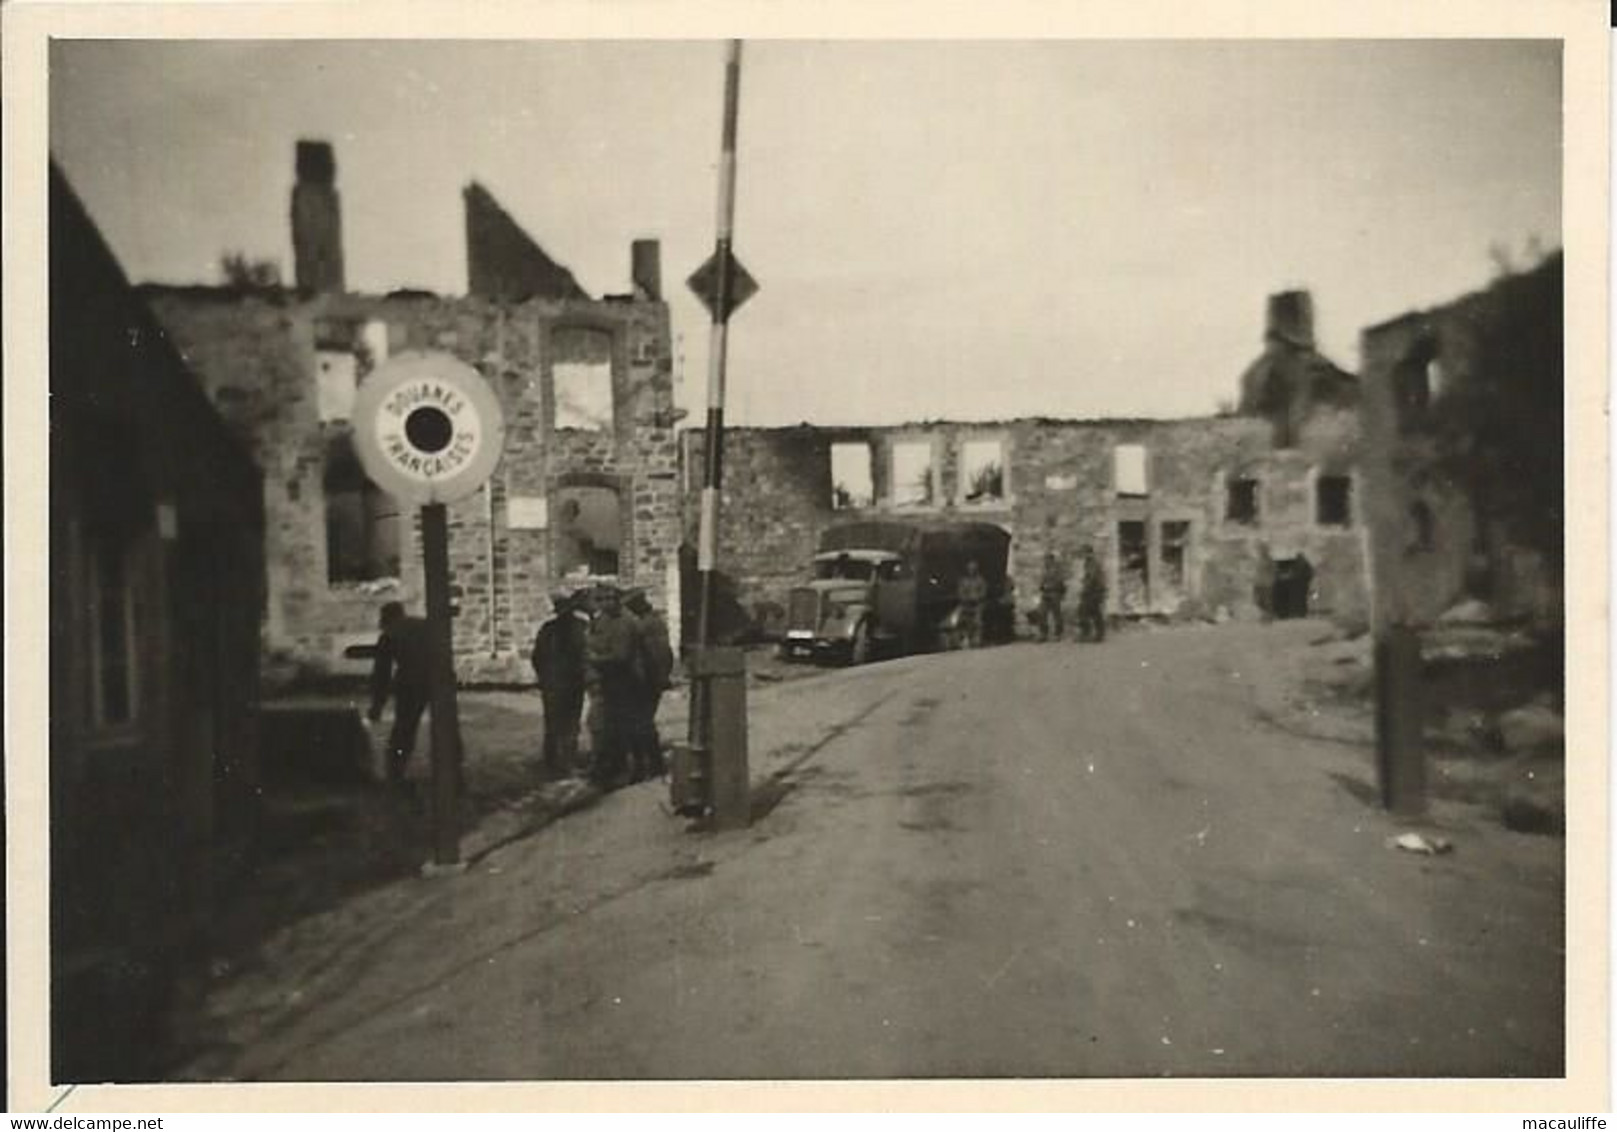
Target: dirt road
(1062, 860)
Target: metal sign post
(429, 430)
(719, 748)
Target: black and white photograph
(718, 557)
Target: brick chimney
(317, 220)
(646, 271)
(1291, 319)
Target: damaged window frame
(343, 476)
(559, 498)
(1118, 470)
(353, 345)
(843, 499)
(934, 491)
(1348, 509)
(1185, 529)
(336, 384)
(1416, 383)
(1124, 564)
(1241, 517)
(965, 475)
(555, 366)
(1423, 527)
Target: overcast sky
(968, 229)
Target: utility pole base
(710, 775)
(1400, 744)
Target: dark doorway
(1133, 568)
(1294, 578)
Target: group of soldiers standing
(971, 595)
(613, 649)
(1091, 598)
(603, 646)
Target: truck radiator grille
(803, 610)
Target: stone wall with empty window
(1463, 476)
(1152, 498)
(588, 487)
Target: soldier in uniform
(1091, 597)
(611, 680)
(654, 670)
(559, 653)
(1052, 592)
(972, 592)
(400, 672)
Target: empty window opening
(582, 375)
(1241, 500)
(337, 377)
(1423, 526)
(363, 522)
(113, 654)
(1293, 587)
(853, 485)
(1436, 379)
(589, 531)
(982, 471)
(1333, 501)
(1129, 469)
(373, 344)
(1412, 388)
(1175, 540)
(1133, 567)
(912, 474)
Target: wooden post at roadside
(1391, 574)
(446, 745)
(1400, 754)
(723, 673)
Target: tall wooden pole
(446, 749)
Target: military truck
(887, 588)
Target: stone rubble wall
(1061, 496)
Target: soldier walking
(1091, 597)
(611, 682)
(559, 658)
(400, 672)
(1052, 592)
(654, 670)
(972, 592)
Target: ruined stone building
(1292, 381)
(588, 483)
(1211, 517)
(1463, 438)
(1264, 510)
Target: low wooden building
(156, 597)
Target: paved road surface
(1062, 861)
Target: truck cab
(841, 610)
(888, 588)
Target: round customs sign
(427, 427)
